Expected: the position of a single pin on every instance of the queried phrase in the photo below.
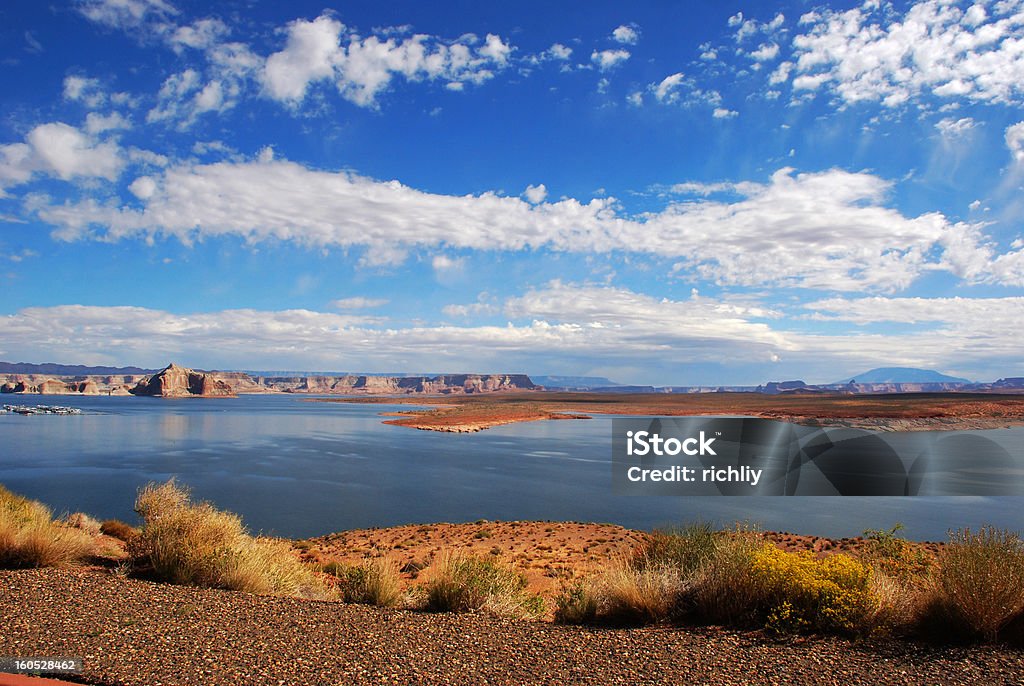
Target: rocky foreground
(135, 632)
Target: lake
(296, 468)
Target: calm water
(301, 469)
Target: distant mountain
(69, 369)
(902, 375)
(573, 381)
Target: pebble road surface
(140, 633)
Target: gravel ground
(135, 632)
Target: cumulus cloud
(626, 34)
(1015, 141)
(766, 52)
(310, 54)
(608, 59)
(362, 68)
(793, 230)
(59, 150)
(322, 50)
(536, 194)
(874, 53)
(724, 113)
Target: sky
(658, 193)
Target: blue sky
(666, 193)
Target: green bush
(577, 603)
(686, 548)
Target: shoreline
(890, 412)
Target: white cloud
(311, 54)
(1015, 141)
(143, 187)
(200, 35)
(85, 90)
(561, 323)
(636, 99)
(68, 153)
(980, 314)
(358, 303)
(608, 59)
(558, 51)
(667, 89)
(724, 113)
(626, 34)
(536, 194)
(875, 54)
(60, 150)
(126, 14)
(766, 52)
(97, 123)
(793, 230)
(362, 68)
(955, 128)
(781, 73)
(444, 263)
(745, 28)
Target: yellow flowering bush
(830, 594)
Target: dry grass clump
(978, 587)
(631, 594)
(115, 528)
(464, 583)
(374, 582)
(80, 520)
(198, 545)
(29, 537)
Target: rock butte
(175, 381)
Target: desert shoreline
(888, 412)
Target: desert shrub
(686, 549)
(29, 537)
(374, 582)
(463, 583)
(577, 603)
(978, 586)
(198, 545)
(890, 554)
(639, 595)
(724, 591)
(800, 590)
(118, 529)
(896, 606)
(80, 520)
